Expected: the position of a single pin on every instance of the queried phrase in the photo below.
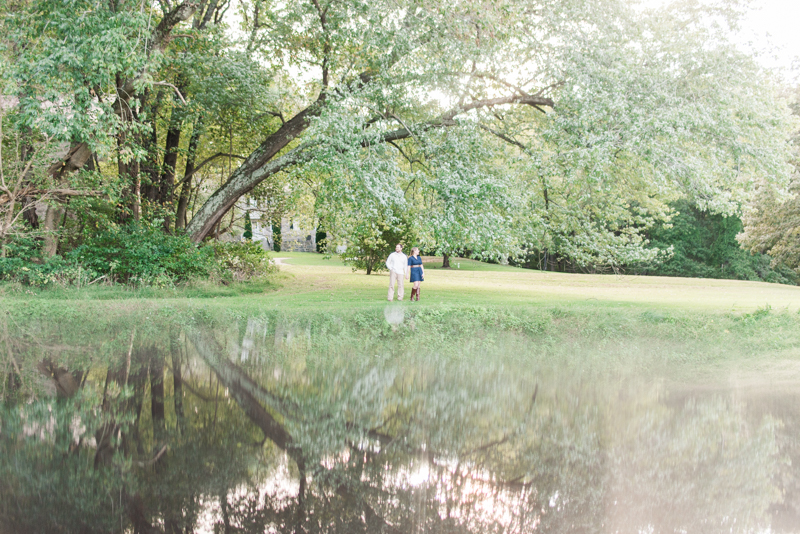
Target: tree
(704, 245)
(630, 121)
(27, 181)
(593, 122)
(248, 227)
(136, 89)
(772, 224)
(372, 240)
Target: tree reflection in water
(252, 429)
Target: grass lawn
(309, 280)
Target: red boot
(413, 293)
(418, 292)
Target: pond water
(270, 424)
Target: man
(397, 263)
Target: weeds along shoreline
(75, 329)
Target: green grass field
(310, 280)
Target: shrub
(276, 237)
(24, 264)
(142, 254)
(238, 261)
(54, 271)
(134, 254)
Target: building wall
(297, 239)
(292, 239)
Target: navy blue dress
(415, 264)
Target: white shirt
(397, 262)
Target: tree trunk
(51, 218)
(157, 394)
(445, 261)
(186, 186)
(78, 156)
(177, 380)
(29, 212)
(255, 169)
(167, 180)
(171, 150)
(150, 166)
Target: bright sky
(769, 29)
(775, 24)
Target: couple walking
(398, 264)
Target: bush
(24, 264)
(136, 255)
(141, 254)
(54, 272)
(239, 261)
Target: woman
(416, 272)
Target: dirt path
(279, 261)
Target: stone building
(294, 238)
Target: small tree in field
(373, 242)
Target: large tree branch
(259, 165)
(241, 182)
(241, 388)
(256, 168)
(189, 175)
(448, 118)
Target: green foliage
(626, 120)
(248, 227)
(134, 255)
(372, 241)
(240, 261)
(143, 254)
(773, 226)
(24, 264)
(704, 245)
(276, 236)
(321, 240)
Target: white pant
(394, 276)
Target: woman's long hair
(414, 249)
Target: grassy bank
(587, 337)
(325, 308)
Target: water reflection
(394, 313)
(249, 428)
